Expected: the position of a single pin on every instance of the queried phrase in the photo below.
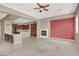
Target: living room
(34, 27)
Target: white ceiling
(21, 21)
(2, 15)
(55, 9)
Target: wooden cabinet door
(34, 29)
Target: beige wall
(7, 27)
(0, 28)
(45, 23)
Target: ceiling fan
(42, 7)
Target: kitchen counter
(24, 33)
(17, 38)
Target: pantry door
(34, 29)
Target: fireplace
(44, 33)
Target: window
(76, 24)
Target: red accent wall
(63, 28)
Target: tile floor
(39, 47)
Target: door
(34, 29)
(63, 28)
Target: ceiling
(21, 21)
(55, 9)
(2, 15)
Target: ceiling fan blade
(46, 9)
(36, 8)
(38, 4)
(47, 5)
(40, 11)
